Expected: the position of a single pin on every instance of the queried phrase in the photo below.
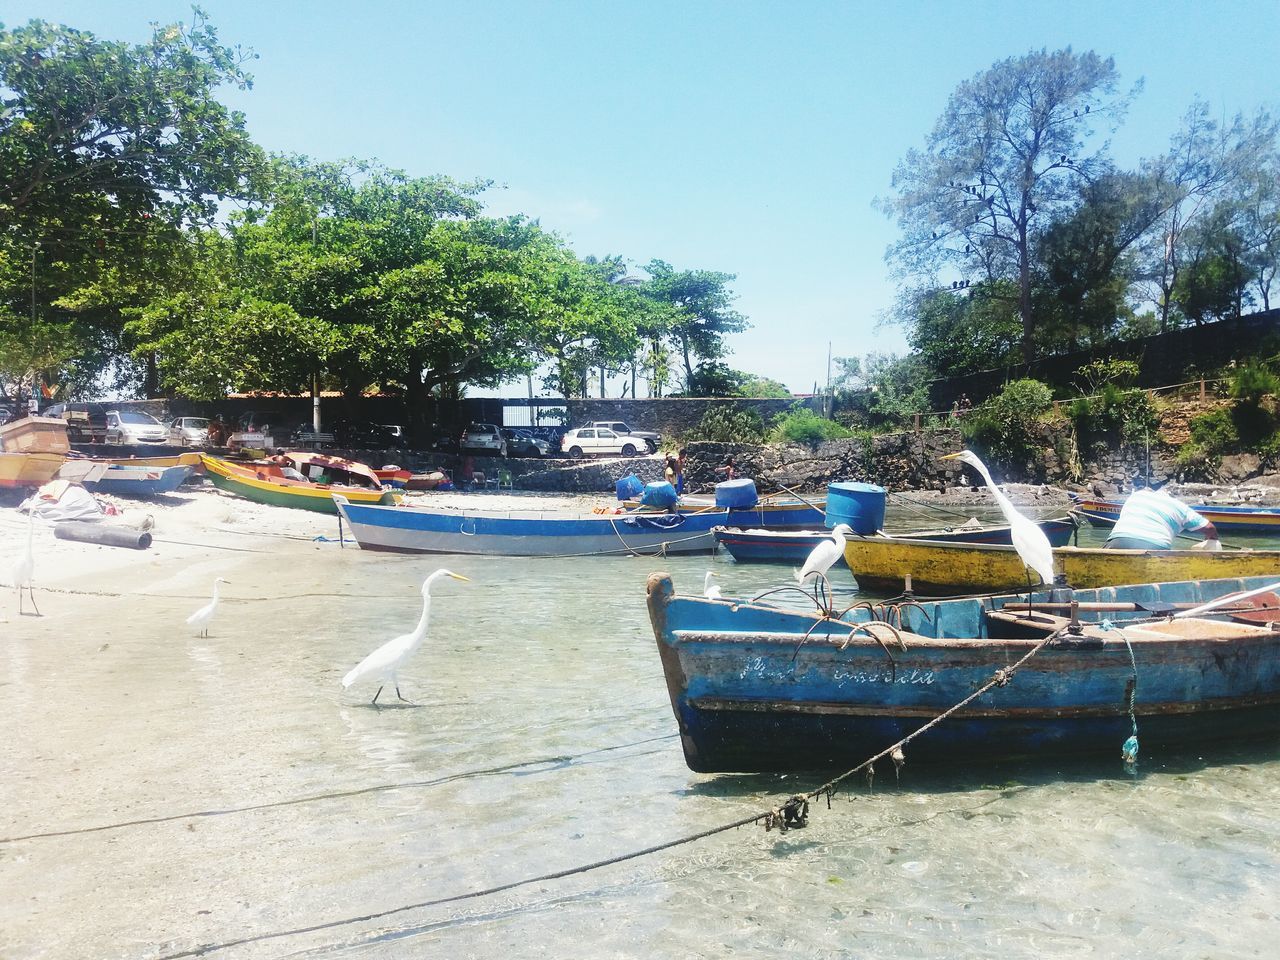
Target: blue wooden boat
(757, 545)
(759, 688)
(526, 533)
(129, 480)
(772, 510)
(1104, 513)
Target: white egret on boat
(25, 567)
(822, 557)
(385, 662)
(1028, 539)
(201, 617)
(709, 590)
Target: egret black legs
(375, 697)
(31, 593)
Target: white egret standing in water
(385, 662)
(24, 569)
(201, 617)
(1028, 539)
(824, 556)
(709, 590)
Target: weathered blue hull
(751, 693)
(131, 481)
(527, 533)
(793, 546)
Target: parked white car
(189, 432)
(647, 438)
(483, 437)
(130, 426)
(595, 441)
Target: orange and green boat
(266, 483)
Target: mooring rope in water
(792, 813)
(553, 762)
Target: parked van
(86, 421)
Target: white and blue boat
(758, 687)
(127, 480)
(527, 533)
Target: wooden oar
(1123, 607)
(802, 499)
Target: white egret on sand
(1028, 539)
(710, 591)
(385, 662)
(25, 568)
(201, 617)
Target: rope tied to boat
(1129, 749)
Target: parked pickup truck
(650, 440)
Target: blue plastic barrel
(630, 487)
(860, 505)
(659, 494)
(739, 494)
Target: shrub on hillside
(1252, 382)
(1115, 414)
(1215, 433)
(727, 424)
(802, 425)
(1006, 428)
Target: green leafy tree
(1086, 259)
(956, 333)
(1007, 154)
(698, 305)
(578, 318)
(1205, 162)
(107, 150)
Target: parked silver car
(189, 432)
(130, 426)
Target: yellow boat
(936, 568)
(264, 483)
(29, 469)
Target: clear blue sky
(746, 137)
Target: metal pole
(830, 404)
(315, 401)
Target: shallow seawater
(541, 739)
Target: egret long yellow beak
(458, 576)
(950, 456)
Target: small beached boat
(128, 480)
(759, 688)
(427, 481)
(1242, 519)
(526, 533)
(395, 477)
(937, 568)
(29, 469)
(764, 545)
(190, 459)
(265, 483)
